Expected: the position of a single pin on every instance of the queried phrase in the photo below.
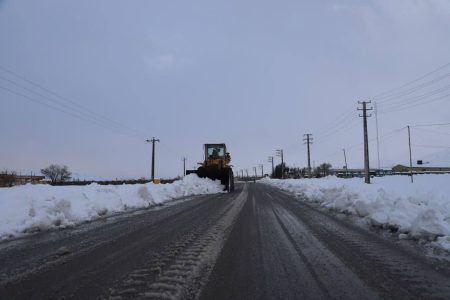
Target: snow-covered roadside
(39, 207)
(420, 210)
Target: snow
(419, 210)
(31, 208)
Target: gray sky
(256, 75)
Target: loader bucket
(191, 172)
(224, 175)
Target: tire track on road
(331, 274)
(182, 268)
(111, 251)
(389, 269)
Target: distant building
(8, 180)
(24, 179)
(421, 169)
(359, 172)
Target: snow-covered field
(39, 207)
(420, 210)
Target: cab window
(216, 152)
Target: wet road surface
(255, 243)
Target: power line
(56, 108)
(382, 139)
(435, 124)
(65, 108)
(417, 100)
(341, 123)
(432, 146)
(343, 126)
(416, 104)
(64, 105)
(378, 96)
(413, 89)
(431, 131)
(402, 103)
(336, 125)
(77, 116)
(407, 100)
(168, 149)
(335, 122)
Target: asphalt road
(255, 243)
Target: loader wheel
(231, 180)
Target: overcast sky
(255, 75)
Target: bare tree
(278, 169)
(323, 170)
(56, 173)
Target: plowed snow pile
(420, 210)
(40, 207)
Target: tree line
(321, 170)
(55, 173)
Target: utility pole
(366, 139)
(184, 165)
(280, 154)
(256, 175)
(262, 170)
(153, 140)
(345, 160)
(378, 139)
(307, 139)
(271, 161)
(242, 174)
(410, 156)
(246, 171)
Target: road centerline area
(305, 253)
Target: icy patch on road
(32, 208)
(420, 210)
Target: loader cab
(215, 151)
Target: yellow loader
(216, 165)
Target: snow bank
(420, 210)
(39, 207)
